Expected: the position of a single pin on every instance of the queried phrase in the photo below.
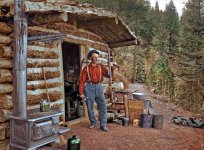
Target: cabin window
(71, 67)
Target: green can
(73, 143)
(44, 105)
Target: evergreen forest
(170, 56)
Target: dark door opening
(71, 66)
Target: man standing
(90, 86)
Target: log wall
(40, 56)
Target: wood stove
(38, 129)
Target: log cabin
(59, 36)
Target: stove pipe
(19, 61)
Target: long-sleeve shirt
(94, 72)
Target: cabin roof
(100, 21)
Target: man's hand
(113, 64)
(82, 96)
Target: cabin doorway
(71, 67)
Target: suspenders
(88, 73)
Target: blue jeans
(95, 92)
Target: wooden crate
(135, 105)
(135, 108)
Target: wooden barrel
(146, 121)
(158, 121)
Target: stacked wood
(6, 52)
(4, 39)
(6, 88)
(6, 101)
(4, 128)
(5, 28)
(5, 76)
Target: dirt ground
(171, 137)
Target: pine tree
(190, 58)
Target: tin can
(44, 105)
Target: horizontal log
(38, 63)
(6, 101)
(5, 28)
(41, 91)
(6, 88)
(37, 30)
(32, 74)
(42, 85)
(40, 76)
(6, 52)
(38, 19)
(39, 70)
(31, 63)
(40, 46)
(5, 76)
(35, 99)
(4, 115)
(42, 54)
(6, 63)
(6, 2)
(5, 39)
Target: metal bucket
(125, 121)
(146, 121)
(158, 121)
(139, 96)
